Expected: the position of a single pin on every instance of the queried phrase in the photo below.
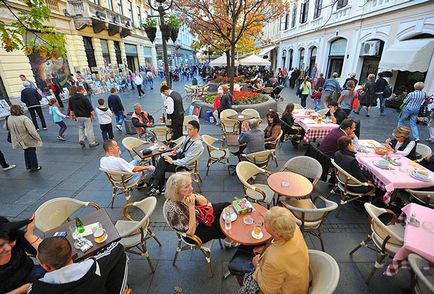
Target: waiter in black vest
(174, 110)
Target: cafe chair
(132, 142)
(186, 242)
(215, 154)
(323, 112)
(252, 112)
(187, 119)
(229, 126)
(260, 159)
(177, 143)
(190, 91)
(162, 134)
(346, 184)
(424, 197)
(422, 281)
(55, 212)
(135, 233)
(258, 192)
(386, 239)
(296, 132)
(306, 166)
(298, 106)
(276, 144)
(324, 271)
(423, 151)
(193, 170)
(121, 182)
(309, 215)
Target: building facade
(370, 36)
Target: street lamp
(162, 11)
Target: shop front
(132, 57)
(370, 52)
(336, 57)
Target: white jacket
(104, 115)
(138, 80)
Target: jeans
(37, 109)
(3, 162)
(412, 113)
(382, 101)
(138, 175)
(30, 158)
(62, 126)
(119, 117)
(140, 91)
(151, 83)
(303, 100)
(85, 127)
(317, 104)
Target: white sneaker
(11, 166)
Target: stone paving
(70, 171)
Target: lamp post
(162, 11)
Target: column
(141, 54)
(96, 43)
(76, 53)
(154, 58)
(112, 52)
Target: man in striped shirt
(412, 104)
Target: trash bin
(129, 128)
(208, 115)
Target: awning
(266, 50)
(411, 55)
(221, 61)
(254, 60)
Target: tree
(228, 21)
(31, 23)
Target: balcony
(86, 13)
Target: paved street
(70, 171)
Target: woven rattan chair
(193, 170)
(324, 271)
(162, 134)
(260, 159)
(215, 154)
(252, 112)
(276, 144)
(55, 212)
(131, 142)
(423, 283)
(386, 238)
(229, 126)
(424, 197)
(323, 111)
(187, 119)
(175, 144)
(309, 216)
(306, 166)
(135, 233)
(423, 150)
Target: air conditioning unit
(370, 48)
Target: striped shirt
(414, 99)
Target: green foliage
(174, 21)
(150, 23)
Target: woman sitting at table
(273, 129)
(402, 144)
(288, 126)
(283, 267)
(192, 213)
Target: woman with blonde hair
(401, 143)
(305, 90)
(225, 99)
(347, 96)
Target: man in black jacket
(115, 105)
(174, 110)
(31, 98)
(380, 85)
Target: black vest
(178, 108)
(412, 154)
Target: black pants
(58, 98)
(38, 110)
(160, 171)
(30, 158)
(214, 232)
(106, 131)
(139, 89)
(3, 162)
(177, 128)
(292, 83)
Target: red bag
(356, 100)
(205, 214)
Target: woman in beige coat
(25, 136)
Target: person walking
(368, 98)
(57, 118)
(320, 82)
(104, 115)
(305, 91)
(175, 110)
(225, 99)
(150, 78)
(292, 77)
(332, 90)
(351, 78)
(138, 80)
(55, 86)
(24, 78)
(25, 136)
(6, 166)
(411, 107)
(32, 98)
(380, 85)
(345, 101)
(115, 104)
(82, 111)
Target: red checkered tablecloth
(314, 130)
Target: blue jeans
(138, 175)
(303, 100)
(119, 117)
(382, 101)
(151, 83)
(317, 104)
(412, 113)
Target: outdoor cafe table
(155, 147)
(419, 240)
(290, 184)
(314, 130)
(100, 216)
(397, 177)
(242, 233)
(241, 117)
(302, 113)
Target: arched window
(312, 61)
(291, 58)
(284, 58)
(337, 51)
(301, 62)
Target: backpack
(387, 91)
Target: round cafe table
(290, 184)
(242, 233)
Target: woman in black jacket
(402, 144)
(368, 97)
(225, 100)
(288, 126)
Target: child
(104, 116)
(58, 118)
(316, 96)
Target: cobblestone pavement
(70, 171)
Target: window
(105, 52)
(286, 21)
(317, 10)
(294, 15)
(130, 12)
(342, 3)
(95, 1)
(110, 4)
(119, 3)
(139, 15)
(304, 11)
(301, 61)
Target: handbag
(205, 214)
(250, 286)
(387, 91)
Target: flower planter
(174, 35)
(151, 33)
(166, 30)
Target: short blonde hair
(176, 182)
(402, 131)
(281, 221)
(225, 88)
(419, 86)
(371, 77)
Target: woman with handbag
(192, 213)
(367, 96)
(305, 91)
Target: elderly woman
(411, 107)
(192, 213)
(283, 267)
(272, 131)
(25, 136)
(401, 143)
(368, 99)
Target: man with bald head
(252, 137)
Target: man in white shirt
(138, 80)
(174, 110)
(113, 162)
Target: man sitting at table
(104, 273)
(113, 161)
(185, 156)
(252, 137)
(142, 121)
(329, 145)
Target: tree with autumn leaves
(223, 23)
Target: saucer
(257, 237)
(103, 240)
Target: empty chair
(323, 111)
(260, 158)
(55, 212)
(424, 197)
(298, 106)
(215, 154)
(162, 134)
(386, 238)
(252, 112)
(306, 166)
(423, 150)
(131, 142)
(258, 192)
(187, 119)
(135, 233)
(324, 271)
(229, 126)
(175, 144)
(423, 284)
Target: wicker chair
(193, 170)
(131, 142)
(257, 192)
(387, 239)
(306, 166)
(215, 154)
(422, 283)
(187, 119)
(424, 197)
(162, 134)
(309, 216)
(260, 159)
(423, 150)
(323, 111)
(135, 233)
(252, 112)
(229, 126)
(55, 212)
(186, 242)
(276, 144)
(177, 143)
(324, 271)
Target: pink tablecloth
(396, 178)
(314, 130)
(300, 114)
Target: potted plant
(174, 23)
(150, 27)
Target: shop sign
(338, 47)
